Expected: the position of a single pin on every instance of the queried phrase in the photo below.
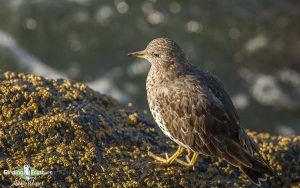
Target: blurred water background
(252, 46)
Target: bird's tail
(255, 169)
(257, 173)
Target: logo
(26, 173)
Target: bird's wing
(235, 146)
(231, 115)
(201, 115)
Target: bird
(192, 108)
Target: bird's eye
(156, 55)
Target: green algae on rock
(89, 140)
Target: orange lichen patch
(88, 139)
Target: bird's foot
(184, 163)
(168, 160)
(160, 160)
(189, 162)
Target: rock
(87, 139)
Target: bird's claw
(168, 160)
(159, 159)
(187, 158)
(184, 163)
(167, 156)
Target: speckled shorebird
(192, 108)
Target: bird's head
(162, 51)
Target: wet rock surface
(88, 139)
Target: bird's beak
(140, 54)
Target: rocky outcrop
(87, 139)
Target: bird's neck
(166, 72)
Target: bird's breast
(158, 93)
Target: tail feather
(255, 176)
(255, 169)
(239, 154)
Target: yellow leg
(167, 160)
(189, 162)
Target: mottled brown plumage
(193, 109)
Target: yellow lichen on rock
(89, 140)
(133, 117)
